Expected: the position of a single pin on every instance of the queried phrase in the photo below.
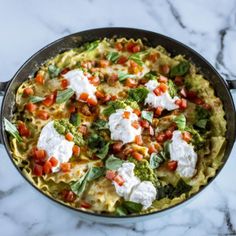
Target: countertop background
(208, 26)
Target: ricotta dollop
(55, 145)
(134, 189)
(80, 83)
(184, 153)
(164, 100)
(121, 128)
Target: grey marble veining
(207, 26)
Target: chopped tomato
(83, 96)
(43, 115)
(64, 83)
(144, 123)
(94, 80)
(116, 147)
(137, 156)
(40, 154)
(49, 100)
(104, 63)
(206, 106)
(137, 112)
(165, 69)
(182, 103)
(23, 130)
(99, 94)
(191, 94)
(85, 205)
(151, 149)
(158, 111)
(157, 91)
(130, 46)
(119, 180)
(47, 167)
(198, 101)
(28, 92)
(183, 92)
(76, 150)
(179, 80)
(126, 115)
(186, 136)
(65, 167)
(107, 98)
(136, 48)
(30, 107)
(130, 83)
(72, 108)
(37, 170)
(53, 161)
(163, 87)
(39, 79)
(161, 137)
(172, 165)
(169, 134)
(69, 137)
(112, 79)
(113, 97)
(138, 140)
(92, 102)
(153, 57)
(122, 60)
(151, 130)
(135, 124)
(162, 79)
(110, 174)
(68, 196)
(133, 64)
(64, 71)
(119, 46)
(83, 129)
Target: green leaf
(95, 173)
(121, 211)
(201, 123)
(100, 125)
(180, 121)
(132, 207)
(35, 99)
(202, 117)
(113, 56)
(113, 163)
(180, 188)
(172, 88)
(138, 94)
(152, 75)
(166, 149)
(147, 115)
(53, 71)
(12, 130)
(102, 153)
(181, 69)
(75, 119)
(113, 106)
(91, 46)
(64, 95)
(155, 160)
(123, 76)
(137, 57)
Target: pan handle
(231, 84)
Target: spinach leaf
(152, 75)
(113, 163)
(202, 117)
(64, 95)
(102, 152)
(53, 71)
(180, 188)
(113, 106)
(180, 121)
(147, 115)
(100, 124)
(123, 76)
(95, 173)
(155, 160)
(132, 207)
(138, 94)
(172, 88)
(91, 46)
(180, 69)
(12, 130)
(113, 56)
(35, 99)
(201, 123)
(75, 119)
(121, 211)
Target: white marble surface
(208, 26)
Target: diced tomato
(107, 98)
(198, 101)
(64, 83)
(157, 91)
(153, 57)
(72, 108)
(182, 103)
(127, 151)
(137, 156)
(163, 87)
(37, 170)
(144, 123)
(104, 63)
(110, 174)
(138, 139)
(119, 180)
(168, 134)
(76, 150)
(69, 137)
(161, 137)
(126, 115)
(162, 79)
(136, 48)
(43, 115)
(151, 149)
(83, 96)
(23, 130)
(131, 83)
(179, 80)
(49, 100)
(30, 107)
(133, 64)
(65, 167)
(64, 71)
(186, 136)
(206, 106)
(85, 205)
(165, 69)
(94, 80)
(158, 111)
(119, 46)
(137, 112)
(99, 94)
(83, 129)
(116, 147)
(113, 97)
(112, 79)
(53, 161)
(183, 92)
(47, 167)
(151, 130)
(122, 60)
(39, 79)
(135, 124)
(28, 92)
(40, 154)
(172, 165)
(68, 196)
(130, 46)
(92, 102)
(191, 94)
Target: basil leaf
(172, 88)
(147, 115)
(12, 130)
(79, 186)
(202, 117)
(102, 153)
(180, 121)
(201, 123)
(152, 75)
(123, 76)
(112, 106)
(53, 71)
(113, 56)
(155, 160)
(113, 163)
(166, 149)
(121, 211)
(132, 207)
(100, 125)
(137, 57)
(75, 119)
(95, 173)
(64, 95)
(138, 94)
(180, 188)
(165, 191)
(35, 99)
(179, 70)
(91, 46)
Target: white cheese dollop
(164, 100)
(121, 128)
(184, 153)
(55, 145)
(80, 83)
(133, 188)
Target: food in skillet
(116, 127)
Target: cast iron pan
(222, 89)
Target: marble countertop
(208, 26)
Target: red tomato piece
(157, 91)
(69, 137)
(92, 102)
(116, 147)
(126, 115)
(165, 69)
(119, 46)
(65, 167)
(137, 156)
(85, 205)
(72, 108)
(23, 130)
(163, 87)
(186, 136)
(76, 150)
(28, 92)
(119, 180)
(30, 107)
(136, 48)
(144, 123)
(135, 124)
(68, 196)
(151, 149)
(122, 60)
(43, 115)
(131, 83)
(40, 154)
(53, 161)
(104, 63)
(99, 94)
(138, 140)
(158, 111)
(137, 112)
(39, 79)
(64, 71)
(162, 79)
(64, 83)
(38, 170)
(94, 80)
(47, 167)
(110, 174)
(49, 100)
(172, 165)
(161, 137)
(83, 96)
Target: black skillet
(222, 89)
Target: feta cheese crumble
(184, 153)
(55, 145)
(121, 128)
(164, 100)
(80, 83)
